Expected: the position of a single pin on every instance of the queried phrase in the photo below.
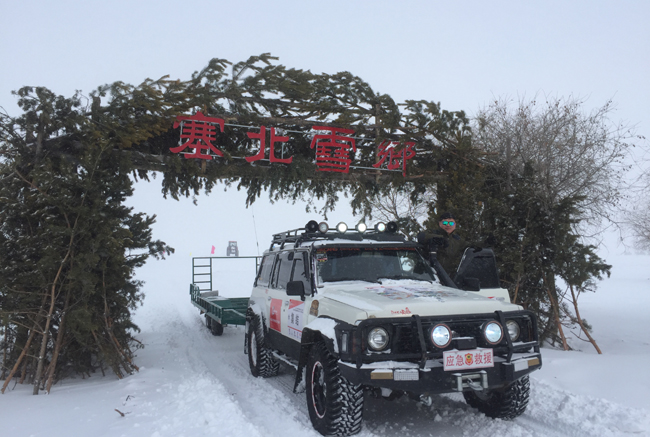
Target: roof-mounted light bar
(312, 227)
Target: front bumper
(432, 378)
(414, 364)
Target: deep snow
(193, 384)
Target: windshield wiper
(375, 281)
(407, 277)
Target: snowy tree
(576, 153)
(551, 172)
(68, 245)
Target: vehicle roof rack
(301, 235)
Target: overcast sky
(461, 54)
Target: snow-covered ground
(193, 384)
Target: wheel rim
(318, 389)
(253, 348)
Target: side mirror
(296, 288)
(478, 268)
(471, 284)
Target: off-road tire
(507, 403)
(335, 404)
(260, 358)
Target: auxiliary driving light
(493, 332)
(441, 336)
(380, 227)
(391, 227)
(513, 330)
(323, 227)
(311, 226)
(378, 339)
(361, 227)
(342, 227)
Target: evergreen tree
(68, 245)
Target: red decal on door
(276, 310)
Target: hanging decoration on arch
(334, 147)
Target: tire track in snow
(267, 404)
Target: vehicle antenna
(255, 228)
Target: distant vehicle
(232, 249)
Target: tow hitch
(475, 381)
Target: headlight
(493, 332)
(378, 339)
(441, 336)
(513, 330)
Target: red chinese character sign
(199, 131)
(262, 153)
(332, 149)
(387, 150)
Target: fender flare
(321, 329)
(253, 310)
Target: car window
(282, 271)
(299, 273)
(264, 275)
(371, 264)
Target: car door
(296, 310)
(277, 298)
(260, 294)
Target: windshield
(372, 264)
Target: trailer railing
(202, 269)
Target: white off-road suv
(364, 311)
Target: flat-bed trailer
(219, 311)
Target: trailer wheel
(216, 328)
(507, 403)
(260, 358)
(335, 404)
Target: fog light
(513, 330)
